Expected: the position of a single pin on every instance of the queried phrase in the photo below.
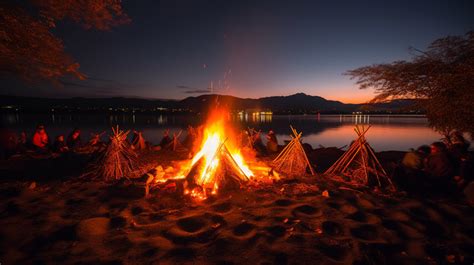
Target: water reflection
(253, 116)
(387, 132)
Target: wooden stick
(226, 150)
(306, 158)
(213, 157)
(364, 165)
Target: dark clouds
(192, 90)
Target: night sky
(175, 49)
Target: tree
(440, 79)
(29, 49)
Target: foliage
(29, 49)
(440, 78)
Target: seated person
(59, 145)
(138, 142)
(272, 142)
(74, 139)
(413, 160)
(438, 166)
(258, 144)
(166, 141)
(22, 144)
(95, 140)
(40, 139)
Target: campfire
(222, 161)
(217, 163)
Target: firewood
(360, 164)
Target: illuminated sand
(286, 223)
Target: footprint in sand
(348, 208)
(191, 224)
(150, 251)
(334, 205)
(334, 252)
(222, 207)
(181, 253)
(119, 206)
(418, 213)
(65, 233)
(391, 224)
(96, 227)
(332, 228)
(358, 216)
(243, 229)
(277, 230)
(75, 201)
(399, 215)
(119, 244)
(365, 232)
(283, 202)
(118, 222)
(136, 210)
(218, 220)
(192, 229)
(306, 210)
(366, 204)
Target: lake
(387, 132)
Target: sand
(72, 221)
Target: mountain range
(299, 103)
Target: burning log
(292, 160)
(360, 164)
(216, 169)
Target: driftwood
(292, 160)
(360, 164)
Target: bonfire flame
(215, 150)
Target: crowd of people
(41, 143)
(443, 166)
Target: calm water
(386, 133)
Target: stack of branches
(229, 168)
(292, 160)
(359, 164)
(138, 142)
(118, 160)
(227, 175)
(175, 143)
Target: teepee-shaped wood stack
(118, 160)
(176, 143)
(292, 160)
(228, 170)
(360, 165)
(138, 142)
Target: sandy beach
(77, 221)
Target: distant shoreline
(293, 104)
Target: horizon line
(176, 99)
